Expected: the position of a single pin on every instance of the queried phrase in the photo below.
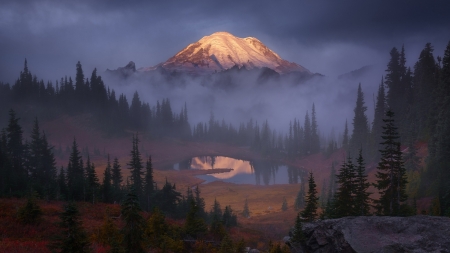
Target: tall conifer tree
(360, 134)
(391, 175)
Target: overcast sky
(329, 37)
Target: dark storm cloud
(320, 35)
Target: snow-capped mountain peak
(222, 50)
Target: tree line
(418, 97)
(113, 113)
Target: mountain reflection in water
(258, 172)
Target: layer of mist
(240, 96)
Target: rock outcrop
(377, 234)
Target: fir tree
(360, 132)
(75, 174)
(310, 211)
(92, 182)
(297, 235)
(73, 237)
(63, 191)
(345, 139)
(135, 166)
(149, 187)
(377, 124)
(107, 187)
(362, 200)
(315, 141)
(345, 196)
(133, 231)
(116, 178)
(194, 226)
(17, 173)
(200, 202)
(391, 177)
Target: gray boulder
(377, 234)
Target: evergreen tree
(229, 219)
(116, 179)
(310, 211)
(362, 200)
(200, 203)
(297, 235)
(17, 174)
(133, 231)
(345, 196)
(345, 139)
(149, 187)
(440, 158)
(73, 237)
(106, 186)
(396, 94)
(307, 135)
(315, 141)
(75, 174)
(194, 226)
(63, 191)
(135, 166)
(425, 84)
(31, 212)
(360, 134)
(168, 198)
(391, 177)
(226, 245)
(92, 182)
(377, 124)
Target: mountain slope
(222, 50)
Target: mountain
(357, 73)
(221, 51)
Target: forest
(412, 106)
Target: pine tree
(360, 134)
(377, 124)
(425, 84)
(229, 219)
(133, 231)
(298, 235)
(440, 158)
(92, 182)
(73, 237)
(307, 135)
(395, 98)
(194, 226)
(345, 139)
(17, 173)
(391, 175)
(75, 174)
(135, 166)
(310, 211)
(362, 200)
(106, 186)
(200, 202)
(149, 187)
(315, 141)
(345, 196)
(63, 191)
(116, 178)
